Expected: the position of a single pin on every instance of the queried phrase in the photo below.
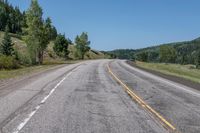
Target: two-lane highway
(179, 104)
(85, 98)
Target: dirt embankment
(183, 81)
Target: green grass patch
(184, 71)
(6, 74)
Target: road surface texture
(177, 103)
(85, 98)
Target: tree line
(187, 52)
(11, 17)
(37, 32)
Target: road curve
(177, 103)
(85, 98)
(80, 98)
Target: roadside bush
(15, 35)
(22, 58)
(51, 54)
(192, 67)
(8, 62)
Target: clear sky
(114, 24)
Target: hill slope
(186, 50)
(49, 54)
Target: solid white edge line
(166, 81)
(30, 115)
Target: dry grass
(184, 71)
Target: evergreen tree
(167, 54)
(48, 27)
(142, 56)
(198, 60)
(51, 29)
(82, 44)
(61, 46)
(53, 33)
(10, 16)
(7, 45)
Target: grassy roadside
(184, 71)
(6, 74)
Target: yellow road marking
(141, 102)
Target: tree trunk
(40, 56)
(82, 56)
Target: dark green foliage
(34, 30)
(109, 55)
(6, 47)
(8, 62)
(123, 53)
(12, 17)
(38, 32)
(153, 56)
(197, 61)
(22, 58)
(142, 56)
(167, 54)
(179, 52)
(82, 45)
(53, 33)
(61, 46)
(50, 29)
(69, 41)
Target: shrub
(8, 62)
(22, 58)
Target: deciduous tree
(82, 44)
(38, 32)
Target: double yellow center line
(141, 102)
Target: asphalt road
(84, 98)
(179, 104)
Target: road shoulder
(176, 79)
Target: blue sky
(114, 24)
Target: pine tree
(167, 54)
(198, 60)
(53, 33)
(7, 45)
(61, 46)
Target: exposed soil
(183, 81)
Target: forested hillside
(26, 38)
(187, 52)
(123, 53)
